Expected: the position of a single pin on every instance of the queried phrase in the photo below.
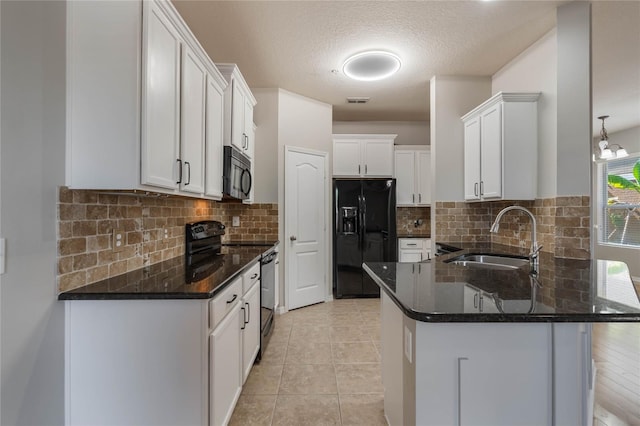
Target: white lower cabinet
(250, 329)
(225, 366)
(414, 249)
(170, 362)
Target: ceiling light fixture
(609, 151)
(371, 65)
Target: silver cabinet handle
(481, 188)
(419, 198)
(365, 169)
(411, 244)
(358, 168)
(460, 359)
(244, 321)
(293, 238)
(475, 300)
(413, 198)
(475, 189)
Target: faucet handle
(535, 250)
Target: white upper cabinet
(501, 148)
(238, 110)
(363, 155)
(192, 141)
(412, 172)
(147, 125)
(214, 136)
(160, 100)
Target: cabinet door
(251, 330)
(346, 158)
(491, 152)
(405, 178)
(225, 367)
(160, 101)
(423, 177)
(249, 130)
(238, 139)
(214, 138)
(472, 159)
(377, 158)
(192, 123)
(410, 256)
(471, 300)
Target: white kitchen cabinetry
(412, 171)
(501, 148)
(177, 361)
(238, 110)
(144, 126)
(414, 249)
(363, 155)
(226, 366)
(214, 137)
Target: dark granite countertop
(169, 279)
(414, 236)
(564, 290)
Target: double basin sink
(490, 261)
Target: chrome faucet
(535, 248)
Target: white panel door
(377, 158)
(346, 158)
(248, 129)
(160, 100)
(491, 152)
(405, 178)
(423, 177)
(214, 138)
(472, 159)
(305, 227)
(192, 122)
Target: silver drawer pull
(235, 296)
(254, 276)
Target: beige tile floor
(322, 367)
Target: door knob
(293, 238)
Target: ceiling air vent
(358, 100)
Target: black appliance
(203, 242)
(236, 175)
(364, 231)
(268, 265)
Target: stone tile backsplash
(563, 224)
(406, 218)
(153, 230)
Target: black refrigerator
(364, 231)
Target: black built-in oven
(236, 179)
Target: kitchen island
(475, 345)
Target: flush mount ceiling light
(609, 151)
(371, 66)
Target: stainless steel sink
(492, 261)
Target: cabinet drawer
(220, 306)
(250, 277)
(411, 243)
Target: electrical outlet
(118, 241)
(235, 221)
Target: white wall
(409, 132)
(628, 138)
(451, 98)
(289, 119)
(265, 161)
(32, 156)
(535, 70)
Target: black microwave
(236, 176)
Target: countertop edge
(70, 295)
(498, 318)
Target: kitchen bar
(480, 345)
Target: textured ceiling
(295, 45)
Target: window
(619, 201)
